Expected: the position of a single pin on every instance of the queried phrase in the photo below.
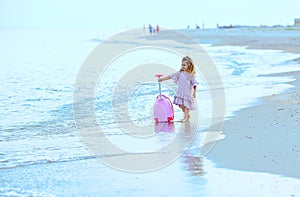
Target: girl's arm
(195, 91)
(164, 78)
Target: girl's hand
(194, 94)
(163, 79)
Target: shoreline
(267, 42)
(48, 143)
(269, 39)
(265, 137)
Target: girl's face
(184, 65)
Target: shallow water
(42, 153)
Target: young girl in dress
(185, 78)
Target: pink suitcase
(163, 107)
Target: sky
(136, 13)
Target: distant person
(157, 29)
(185, 78)
(150, 29)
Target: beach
(268, 40)
(73, 127)
(287, 40)
(264, 138)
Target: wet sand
(263, 138)
(286, 40)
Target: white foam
(242, 69)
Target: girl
(185, 78)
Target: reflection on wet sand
(187, 137)
(192, 160)
(194, 164)
(164, 127)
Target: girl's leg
(182, 108)
(186, 115)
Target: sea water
(42, 154)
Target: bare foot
(185, 119)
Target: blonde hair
(191, 68)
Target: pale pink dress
(183, 96)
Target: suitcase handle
(159, 76)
